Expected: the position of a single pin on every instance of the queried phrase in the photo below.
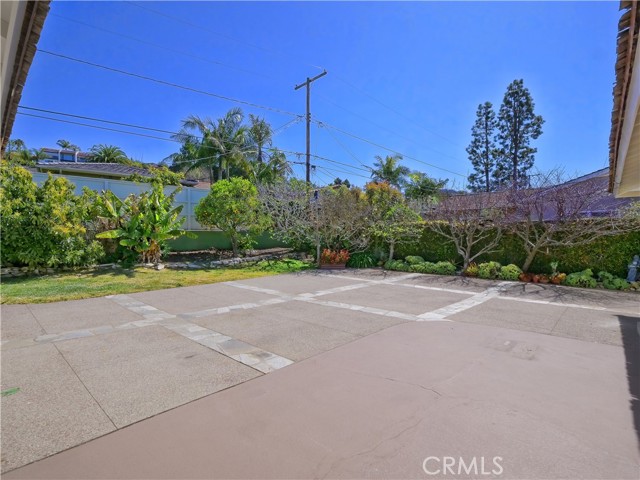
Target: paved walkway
(383, 371)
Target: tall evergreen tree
(517, 126)
(482, 149)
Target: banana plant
(143, 223)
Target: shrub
(607, 253)
(233, 207)
(413, 259)
(489, 270)
(333, 257)
(362, 260)
(471, 270)
(612, 282)
(510, 272)
(581, 279)
(444, 268)
(160, 175)
(424, 267)
(440, 268)
(398, 265)
(44, 226)
(142, 223)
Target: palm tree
(261, 135)
(26, 157)
(276, 168)
(15, 145)
(217, 146)
(231, 139)
(389, 170)
(108, 154)
(67, 145)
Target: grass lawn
(98, 283)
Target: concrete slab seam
(242, 352)
(465, 304)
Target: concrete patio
(341, 375)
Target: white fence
(188, 197)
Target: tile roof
(108, 169)
(627, 41)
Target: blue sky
(406, 76)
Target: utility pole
(308, 85)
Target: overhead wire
(228, 37)
(408, 139)
(167, 83)
(266, 50)
(364, 92)
(297, 154)
(98, 127)
(371, 142)
(163, 47)
(277, 110)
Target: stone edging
(10, 272)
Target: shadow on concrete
(630, 329)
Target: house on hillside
(68, 162)
(63, 155)
(586, 196)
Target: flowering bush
(333, 257)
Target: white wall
(189, 197)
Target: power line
(229, 37)
(298, 154)
(364, 92)
(98, 127)
(327, 175)
(97, 120)
(320, 157)
(337, 170)
(277, 131)
(348, 150)
(353, 135)
(162, 47)
(326, 99)
(166, 83)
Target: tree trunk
(465, 260)
(318, 252)
(530, 257)
(391, 248)
(234, 246)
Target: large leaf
(117, 233)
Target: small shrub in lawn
(489, 270)
(510, 272)
(581, 279)
(414, 259)
(362, 260)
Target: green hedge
(611, 254)
(206, 239)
